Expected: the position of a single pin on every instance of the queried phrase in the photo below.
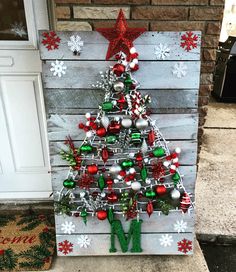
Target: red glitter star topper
(121, 37)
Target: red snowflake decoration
(65, 247)
(185, 246)
(51, 40)
(189, 41)
(85, 181)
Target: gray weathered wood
(66, 99)
(95, 46)
(188, 155)
(172, 126)
(175, 101)
(100, 244)
(151, 75)
(152, 224)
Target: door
(24, 159)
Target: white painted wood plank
(151, 75)
(188, 155)
(95, 46)
(153, 224)
(172, 126)
(100, 244)
(58, 99)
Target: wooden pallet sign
(138, 182)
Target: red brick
(203, 100)
(179, 2)
(121, 2)
(210, 41)
(209, 54)
(111, 23)
(62, 12)
(72, 1)
(160, 13)
(205, 90)
(178, 26)
(206, 13)
(207, 66)
(217, 2)
(213, 28)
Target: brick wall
(156, 15)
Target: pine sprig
(33, 220)
(8, 260)
(5, 219)
(48, 237)
(35, 256)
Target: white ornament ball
(119, 177)
(118, 86)
(175, 160)
(103, 194)
(166, 163)
(132, 170)
(136, 186)
(126, 122)
(135, 61)
(175, 194)
(132, 64)
(173, 167)
(128, 183)
(132, 50)
(87, 123)
(178, 150)
(116, 180)
(115, 169)
(89, 134)
(114, 102)
(87, 115)
(117, 119)
(146, 160)
(82, 194)
(148, 181)
(141, 123)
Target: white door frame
(12, 64)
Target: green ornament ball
(159, 152)
(69, 183)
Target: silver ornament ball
(175, 194)
(118, 86)
(115, 169)
(141, 124)
(126, 123)
(136, 186)
(105, 121)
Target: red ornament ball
(118, 69)
(101, 132)
(161, 190)
(112, 197)
(101, 215)
(92, 169)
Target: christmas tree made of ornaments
(123, 168)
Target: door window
(13, 25)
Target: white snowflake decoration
(180, 226)
(180, 70)
(68, 227)
(84, 241)
(75, 44)
(166, 240)
(18, 29)
(162, 51)
(58, 68)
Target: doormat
(27, 242)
